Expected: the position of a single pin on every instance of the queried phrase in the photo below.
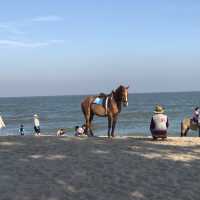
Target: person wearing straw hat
(159, 123)
(36, 124)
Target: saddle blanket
(98, 101)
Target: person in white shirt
(2, 124)
(80, 131)
(36, 124)
(159, 123)
(60, 132)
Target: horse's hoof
(154, 138)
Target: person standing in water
(21, 129)
(2, 124)
(36, 124)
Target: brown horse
(114, 105)
(188, 124)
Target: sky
(83, 47)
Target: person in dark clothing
(21, 129)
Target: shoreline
(136, 136)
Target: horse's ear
(127, 87)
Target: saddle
(102, 99)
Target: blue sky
(79, 47)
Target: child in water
(21, 129)
(36, 124)
(80, 131)
(60, 132)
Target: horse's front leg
(109, 125)
(113, 125)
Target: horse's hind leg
(90, 124)
(87, 123)
(89, 118)
(182, 130)
(186, 132)
(86, 113)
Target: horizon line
(87, 94)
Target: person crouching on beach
(36, 124)
(60, 132)
(159, 123)
(80, 131)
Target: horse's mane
(118, 93)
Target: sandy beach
(57, 168)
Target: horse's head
(123, 94)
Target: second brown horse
(114, 105)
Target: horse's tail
(83, 108)
(86, 106)
(185, 126)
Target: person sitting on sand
(79, 131)
(196, 115)
(36, 124)
(60, 132)
(21, 129)
(84, 129)
(159, 123)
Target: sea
(65, 112)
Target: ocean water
(65, 112)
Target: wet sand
(59, 168)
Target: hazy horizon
(68, 48)
(87, 94)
